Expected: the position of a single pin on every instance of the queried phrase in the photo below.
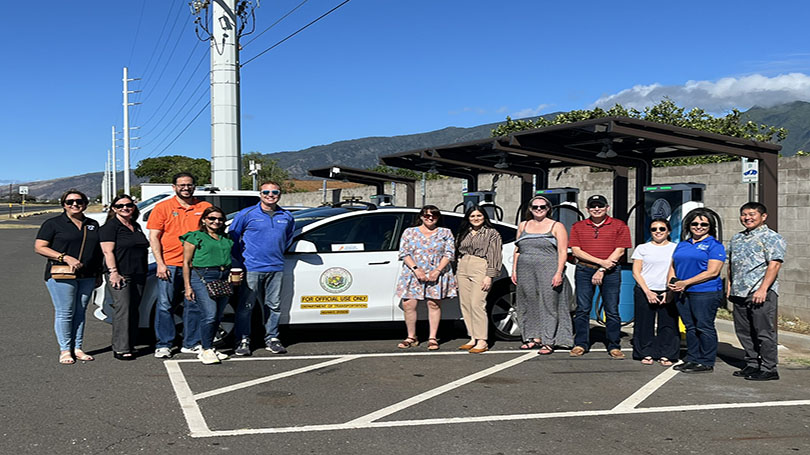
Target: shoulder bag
(63, 271)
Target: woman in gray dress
(543, 292)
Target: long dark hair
(465, 227)
(73, 191)
(135, 211)
(208, 211)
(699, 212)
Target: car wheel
(501, 313)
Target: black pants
(646, 342)
(125, 303)
(755, 326)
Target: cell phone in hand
(673, 280)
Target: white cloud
(530, 112)
(717, 96)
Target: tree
(270, 171)
(162, 168)
(669, 113)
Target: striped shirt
(485, 244)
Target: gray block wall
(725, 193)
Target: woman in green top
(208, 252)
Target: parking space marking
(376, 415)
(246, 384)
(199, 428)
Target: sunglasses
(696, 224)
(429, 216)
(596, 206)
(128, 205)
(215, 218)
(658, 229)
(74, 202)
(539, 207)
(273, 192)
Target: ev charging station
(485, 200)
(565, 203)
(672, 202)
(382, 200)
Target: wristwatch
(601, 269)
(414, 268)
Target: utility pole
(229, 18)
(127, 104)
(114, 191)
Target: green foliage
(270, 171)
(666, 112)
(162, 168)
(404, 172)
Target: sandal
(665, 362)
(545, 350)
(83, 356)
(408, 343)
(528, 344)
(65, 358)
(647, 361)
(433, 344)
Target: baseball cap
(597, 199)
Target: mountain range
(365, 152)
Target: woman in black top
(125, 250)
(71, 239)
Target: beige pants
(473, 301)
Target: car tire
(501, 314)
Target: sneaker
(243, 349)
(275, 346)
(221, 355)
(209, 357)
(616, 354)
(163, 353)
(195, 350)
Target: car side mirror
(303, 246)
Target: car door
(351, 277)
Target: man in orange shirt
(168, 221)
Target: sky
(376, 68)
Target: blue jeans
(264, 287)
(210, 309)
(609, 290)
(164, 321)
(698, 310)
(70, 299)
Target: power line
(137, 32)
(196, 89)
(294, 33)
(275, 23)
(183, 130)
(146, 77)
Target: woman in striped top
(478, 246)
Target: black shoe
(763, 376)
(745, 372)
(123, 355)
(698, 368)
(684, 366)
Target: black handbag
(216, 288)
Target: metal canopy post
(769, 187)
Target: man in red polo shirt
(168, 221)
(598, 243)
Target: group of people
(193, 254)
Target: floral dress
(426, 252)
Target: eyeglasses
(696, 224)
(185, 185)
(428, 216)
(539, 207)
(128, 205)
(74, 202)
(268, 192)
(658, 229)
(596, 206)
(215, 218)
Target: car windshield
(308, 216)
(143, 204)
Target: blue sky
(377, 68)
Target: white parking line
(199, 428)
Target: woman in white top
(651, 263)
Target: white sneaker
(163, 353)
(195, 350)
(221, 355)
(209, 357)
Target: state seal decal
(336, 280)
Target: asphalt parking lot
(349, 390)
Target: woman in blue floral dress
(426, 252)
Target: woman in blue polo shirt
(695, 274)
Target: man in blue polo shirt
(260, 235)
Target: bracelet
(601, 269)
(61, 257)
